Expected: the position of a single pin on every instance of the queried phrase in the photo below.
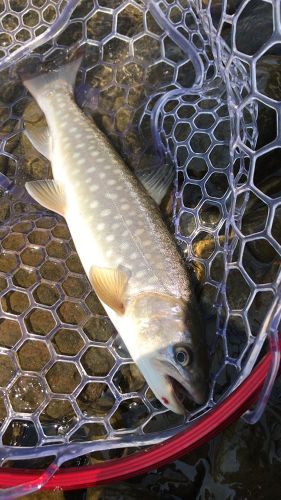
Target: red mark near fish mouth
(165, 401)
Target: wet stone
(38, 237)
(49, 14)
(129, 379)
(90, 400)
(63, 377)
(3, 411)
(99, 26)
(97, 361)
(46, 295)
(15, 302)
(18, 5)
(60, 413)
(94, 304)
(6, 369)
(26, 394)
(46, 222)
(61, 231)
(32, 257)
(129, 414)
(24, 278)
(33, 355)
(31, 18)
(237, 290)
(72, 34)
(36, 168)
(8, 262)
(52, 271)
(10, 332)
(40, 321)
(3, 283)
(14, 241)
(68, 342)
(71, 313)
(57, 249)
(130, 21)
(57, 409)
(74, 287)
(99, 329)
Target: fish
(129, 255)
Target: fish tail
(47, 77)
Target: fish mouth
(184, 399)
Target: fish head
(172, 353)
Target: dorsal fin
(110, 285)
(157, 180)
(48, 193)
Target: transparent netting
(195, 83)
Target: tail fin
(36, 84)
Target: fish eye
(183, 355)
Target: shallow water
(243, 462)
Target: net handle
(144, 461)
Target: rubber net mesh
(192, 82)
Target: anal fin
(110, 285)
(48, 193)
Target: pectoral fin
(39, 138)
(110, 285)
(48, 193)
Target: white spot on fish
(105, 212)
(113, 196)
(125, 206)
(91, 169)
(110, 238)
(111, 182)
(100, 226)
(81, 161)
(94, 204)
(94, 187)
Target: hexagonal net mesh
(192, 82)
